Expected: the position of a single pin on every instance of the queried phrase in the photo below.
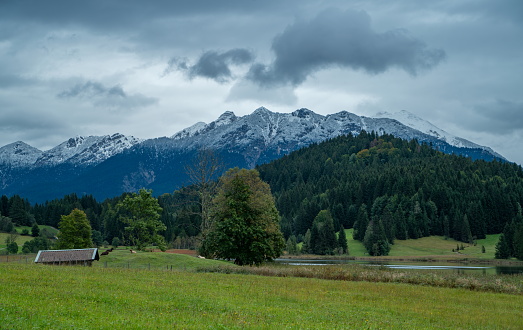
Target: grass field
(45, 297)
(430, 246)
(20, 240)
(123, 258)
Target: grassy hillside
(430, 246)
(20, 229)
(98, 298)
(20, 240)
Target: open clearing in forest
(432, 246)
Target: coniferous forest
(387, 188)
(383, 187)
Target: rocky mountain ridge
(106, 166)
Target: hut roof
(67, 255)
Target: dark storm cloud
(212, 65)
(100, 95)
(121, 15)
(499, 116)
(343, 39)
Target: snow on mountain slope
(19, 154)
(265, 131)
(426, 127)
(88, 150)
(261, 134)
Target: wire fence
(30, 258)
(22, 258)
(140, 265)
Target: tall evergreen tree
(323, 235)
(361, 224)
(291, 245)
(502, 248)
(306, 246)
(35, 230)
(342, 241)
(375, 240)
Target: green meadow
(50, 297)
(154, 290)
(432, 246)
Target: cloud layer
(212, 64)
(102, 96)
(343, 39)
(153, 68)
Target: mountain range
(106, 166)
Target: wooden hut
(84, 257)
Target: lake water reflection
(460, 268)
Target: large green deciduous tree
(246, 223)
(143, 220)
(75, 231)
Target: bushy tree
(36, 244)
(35, 230)
(6, 225)
(143, 220)
(12, 248)
(75, 231)
(245, 221)
(116, 242)
(97, 238)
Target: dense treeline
(387, 188)
(180, 215)
(383, 187)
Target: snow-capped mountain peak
(246, 141)
(86, 150)
(225, 119)
(19, 154)
(413, 121)
(190, 131)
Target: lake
(456, 267)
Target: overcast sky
(152, 68)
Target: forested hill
(398, 188)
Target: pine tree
(361, 224)
(35, 230)
(291, 245)
(342, 241)
(375, 240)
(323, 235)
(502, 248)
(306, 247)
